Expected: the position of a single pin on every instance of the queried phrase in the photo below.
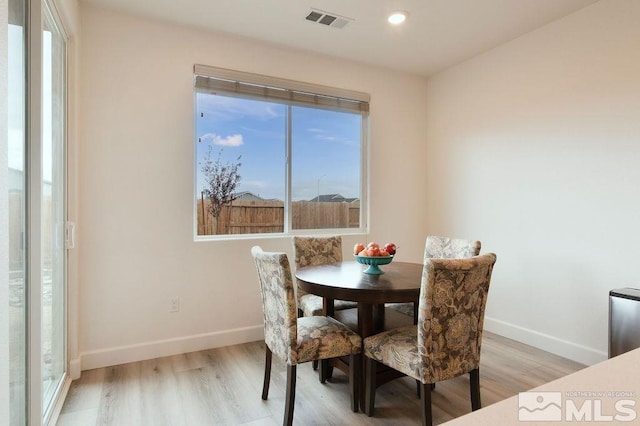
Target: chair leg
(322, 373)
(326, 370)
(370, 392)
(354, 381)
(419, 385)
(415, 313)
(426, 404)
(267, 373)
(474, 382)
(291, 395)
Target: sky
(16, 99)
(325, 146)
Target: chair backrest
(453, 297)
(450, 248)
(311, 251)
(278, 303)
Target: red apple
(373, 244)
(358, 248)
(390, 248)
(373, 251)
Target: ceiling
(437, 34)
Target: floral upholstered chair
(311, 251)
(446, 342)
(440, 248)
(450, 248)
(297, 340)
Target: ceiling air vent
(328, 19)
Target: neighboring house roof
(332, 198)
(248, 196)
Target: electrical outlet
(174, 304)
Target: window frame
(230, 77)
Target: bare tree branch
(221, 181)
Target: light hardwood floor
(223, 387)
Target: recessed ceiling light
(397, 18)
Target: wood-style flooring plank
(223, 387)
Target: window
(277, 156)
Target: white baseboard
(563, 348)
(74, 368)
(179, 345)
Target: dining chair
(312, 251)
(298, 340)
(439, 248)
(446, 342)
(450, 248)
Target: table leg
(328, 308)
(365, 319)
(365, 328)
(378, 318)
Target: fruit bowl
(373, 262)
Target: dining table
(399, 283)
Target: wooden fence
(259, 217)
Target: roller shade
(219, 80)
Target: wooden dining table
(399, 283)
(347, 281)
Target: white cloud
(323, 135)
(231, 140)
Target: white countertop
(604, 394)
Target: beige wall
(530, 147)
(135, 185)
(533, 148)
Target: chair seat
(398, 349)
(311, 305)
(323, 338)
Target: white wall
(533, 148)
(135, 222)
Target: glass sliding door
(36, 184)
(53, 207)
(16, 91)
